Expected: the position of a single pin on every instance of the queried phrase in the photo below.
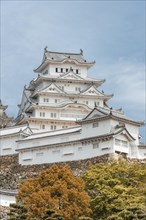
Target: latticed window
(53, 127)
(42, 114)
(46, 99)
(77, 89)
(42, 126)
(53, 115)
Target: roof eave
(45, 62)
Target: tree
(17, 212)
(116, 188)
(130, 213)
(56, 188)
(52, 215)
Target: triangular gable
(92, 91)
(27, 131)
(95, 113)
(79, 106)
(126, 133)
(52, 88)
(71, 75)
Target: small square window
(95, 124)
(77, 89)
(42, 114)
(42, 126)
(53, 127)
(95, 145)
(53, 115)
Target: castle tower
(61, 94)
(4, 119)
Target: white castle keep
(63, 116)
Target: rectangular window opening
(95, 124)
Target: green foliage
(52, 215)
(116, 188)
(17, 212)
(85, 218)
(130, 213)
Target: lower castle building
(97, 134)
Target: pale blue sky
(110, 32)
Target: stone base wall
(3, 212)
(11, 172)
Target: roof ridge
(64, 53)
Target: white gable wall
(122, 144)
(133, 129)
(8, 144)
(142, 152)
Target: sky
(110, 32)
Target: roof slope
(61, 57)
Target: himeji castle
(61, 94)
(63, 116)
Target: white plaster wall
(103, 127)
(68, 113)
(6, 200)
(48, 140)
(36, 125)
(133, 129)
(71, 87)
(142, 152)
(62, 100)
(82, 70)
(8, 144)
(69, 152)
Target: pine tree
(117, 190)
(52, 215)
(17, 212)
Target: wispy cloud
(126, 79)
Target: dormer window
(56, 70)
(77, 71)
(66, 70)
(61, 70)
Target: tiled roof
(12, 130)
(52, 133)
(60, 56)
(107, 115)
